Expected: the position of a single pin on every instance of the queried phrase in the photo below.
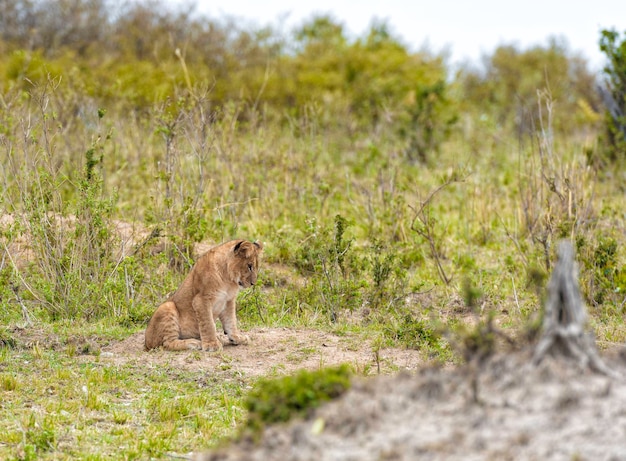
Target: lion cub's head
(245, 266)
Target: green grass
(59, 407)
(278, 400)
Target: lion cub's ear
(246, 249)
(258, 244)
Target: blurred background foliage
(132, 55)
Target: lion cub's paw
(194, 344)
(212, 346)
(239, 339)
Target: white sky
(467, 29)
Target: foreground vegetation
(396, 203)
(56, 406)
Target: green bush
(335, 279)
(603, 276)
(504, 90)
(279, 400)
(614, 94)
(417, 334)
(6, 339)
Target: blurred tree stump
(565, 318)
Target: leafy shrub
(279, 400)
(604, 277)
(387, 290)
(72, 237)
(334, 276)
(39, 437)
(415, 333)
(426, 121)
(614, 93)
(6, 339)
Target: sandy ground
(272, 351)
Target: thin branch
(22, 305)
(426, 230)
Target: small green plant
(603, 277)
(325, 249)
(387, 291)
(172, 410)
(418, 334)
(40, 437)
(8, 382)
(6, 339)
(335, 282)
(471, 294)
(279, 400)
(121, 417)
(477, 342)
(93, 400)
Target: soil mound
(553, 411)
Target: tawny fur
(187, 319)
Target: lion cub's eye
(250, 267)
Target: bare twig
(23, 282)
(514, 240)
(556, 193)
(266, 78)
(519, 310)
(22, 305)
(426, 230)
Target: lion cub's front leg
(203, 308)
(229, 323)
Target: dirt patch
(550, 412)
(272, 351)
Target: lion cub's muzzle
(247, 283)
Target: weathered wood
(564, 333)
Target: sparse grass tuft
(6, 339)
(8, 382)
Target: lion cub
(187, 319)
